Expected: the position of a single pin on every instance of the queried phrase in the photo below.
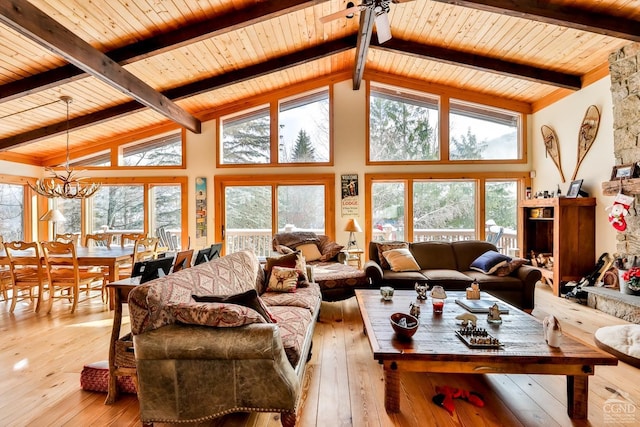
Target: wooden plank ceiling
(134, 65)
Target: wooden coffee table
(436, 348)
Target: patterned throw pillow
(213, 314)
(328, 248)
(387, 246)
(283, 279)
(292, 260)
(511, 266)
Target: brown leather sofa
(447, 264)
(195, 364)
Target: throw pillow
(387, 246)
(401, 260)
(213, 314)
(511, 266)
(283, 279)
(489, 262)
(310, 251)
(249, 299)
(293, 260)
(328, 248)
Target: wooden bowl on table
(404, 325)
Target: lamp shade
(353, 226)
(53, 215)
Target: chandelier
(67, 184)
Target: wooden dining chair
(129, 239)
(145, 249)
(68, 237)
(98, 239)
(65, 274)
(28, 276)
(5, 276)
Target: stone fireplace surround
(624, 70)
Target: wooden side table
(354, 257)
(120, 293)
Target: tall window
(303, 124)
(72, 212)
(443, 210)
(166, 208)
(254, 208)
(388, 206)
(12, 211)
(478, 132)
(436, 207)
(117, 207)
(246, 138)
(403, 126)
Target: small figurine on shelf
(473, 292)
(494, 314)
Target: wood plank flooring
(41, 357)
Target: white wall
(565, 117)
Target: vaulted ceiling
(136, 65)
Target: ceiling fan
(379, 7)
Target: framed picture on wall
(574, 189)
(624, 171)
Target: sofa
(203, 350)
(449, 264)
(337, 280)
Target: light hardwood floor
(41, 357)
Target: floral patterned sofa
(336, 279)
(200, 360)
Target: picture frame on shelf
(626, 171)
(574, 189)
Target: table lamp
(53, 215)
(352, 227)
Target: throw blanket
(294, 239)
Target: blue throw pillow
(489, 262)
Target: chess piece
(552, 331)
(421, 290)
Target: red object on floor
(446, 395)
(95, 377)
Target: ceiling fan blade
(383, 28)
(340, 14)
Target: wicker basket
(124, 352)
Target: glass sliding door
(166, 211)
(501, 214)
(248, 218)
(293, 208)
(388, 199)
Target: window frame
(445, 95)
(274, 140)
(32, 226)
(223, 181)
(480, 179)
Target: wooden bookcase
(567, 232)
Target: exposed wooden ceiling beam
(190, 89)
(160, 43)
(565, 16)
(34, 24)
(367, 18)
(483, 63)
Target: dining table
(97, 256)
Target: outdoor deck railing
(259, 240)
